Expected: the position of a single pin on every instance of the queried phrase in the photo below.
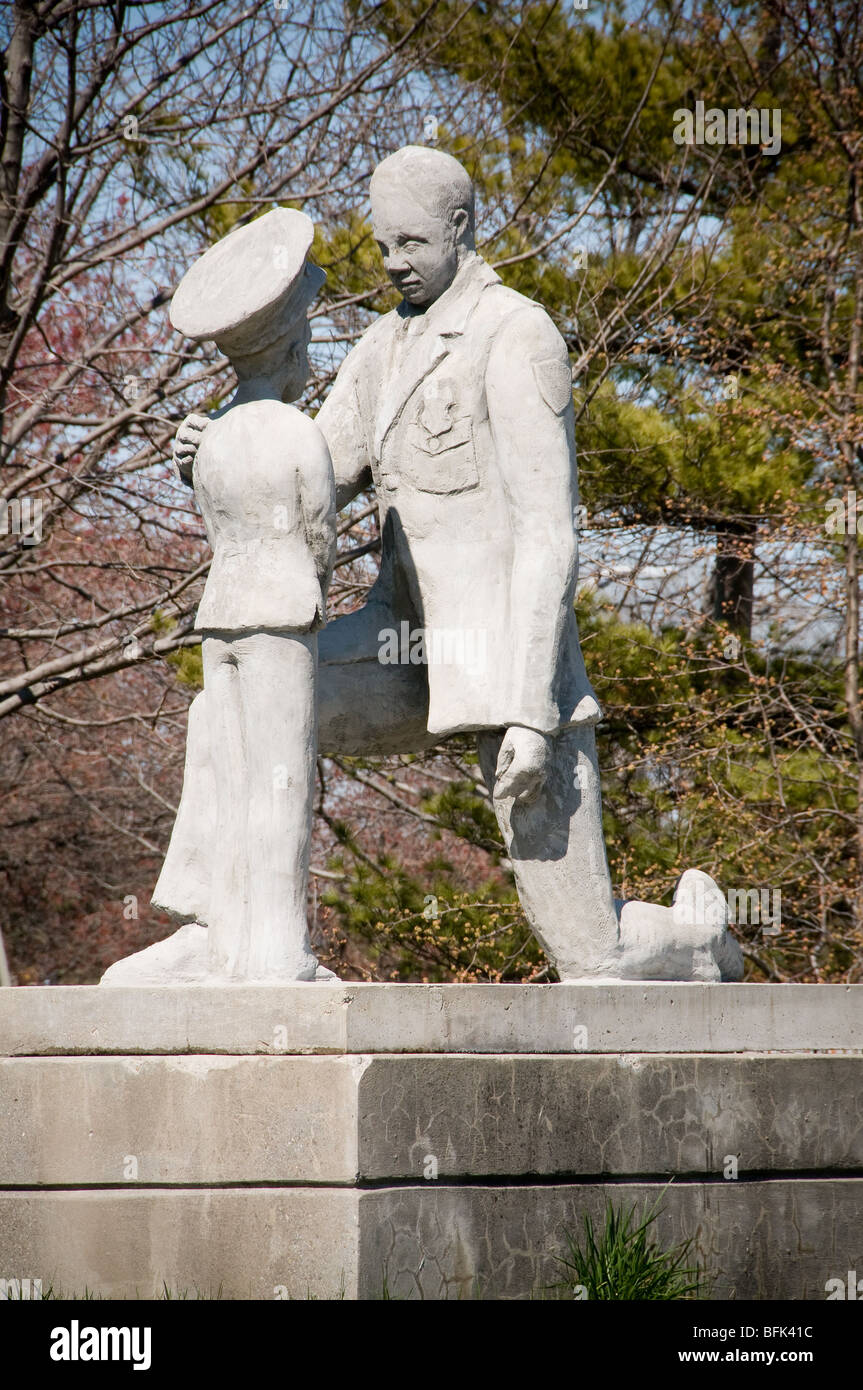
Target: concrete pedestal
(436, 1141)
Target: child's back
(264, 483)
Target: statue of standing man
(457, 406)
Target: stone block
(89, 1121)
(233, 1243)
(632, 1115)
(320, 1018)
(757, 1240)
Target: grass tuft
(625, 1263)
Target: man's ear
(461, 223)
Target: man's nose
(396, 263)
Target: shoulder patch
(554, 379)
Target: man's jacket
(463, 417)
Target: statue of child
(239, 853)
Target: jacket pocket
(440, 463)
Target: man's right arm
(340, 420)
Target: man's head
(423, 220)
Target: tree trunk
(731, 585)
(852, 690)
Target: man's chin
(417, 297)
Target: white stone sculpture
(457, 407)
(236, 872)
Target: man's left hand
(522, 765)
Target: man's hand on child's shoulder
(186, 442)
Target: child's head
(283, 358)
(251, 293)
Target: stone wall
(334, 1140)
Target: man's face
(420, 250)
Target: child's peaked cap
(245, 289)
